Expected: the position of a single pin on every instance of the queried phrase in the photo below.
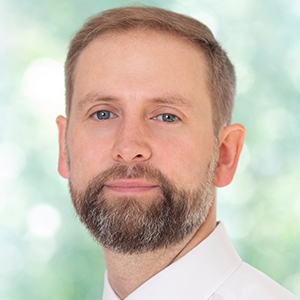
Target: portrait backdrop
(45, 251)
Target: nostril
(139, 155)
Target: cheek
(184, 160)
(88, 157)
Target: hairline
(108, 33)
(220, 75)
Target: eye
(167, 118)
(104, 115)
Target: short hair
(220, 77)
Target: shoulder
(247, 283)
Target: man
(146, 141)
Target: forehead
(143, 63)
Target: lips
(131, 186)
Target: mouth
(131, 186)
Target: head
(220, 73)
(149, 96)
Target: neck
(126, 272)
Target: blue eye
(104, 115)
(167, 118)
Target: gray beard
(133, 225)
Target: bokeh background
(45, 253)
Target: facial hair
(140, 224)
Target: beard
(143, 223)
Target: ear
(231, 140)
(62, 161)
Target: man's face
(140, 99)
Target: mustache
(94, 190)
(139, 170)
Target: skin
(139, 78)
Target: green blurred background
(45, 253)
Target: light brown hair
(221, 76)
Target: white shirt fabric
(211, 271)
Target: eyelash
(174, 118)
(96, 115)
(165, 117)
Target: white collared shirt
(211, 271)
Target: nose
(132, 144)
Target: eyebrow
(91, 98)
(176, 99)
(96, 97)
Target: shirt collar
(201, 272)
